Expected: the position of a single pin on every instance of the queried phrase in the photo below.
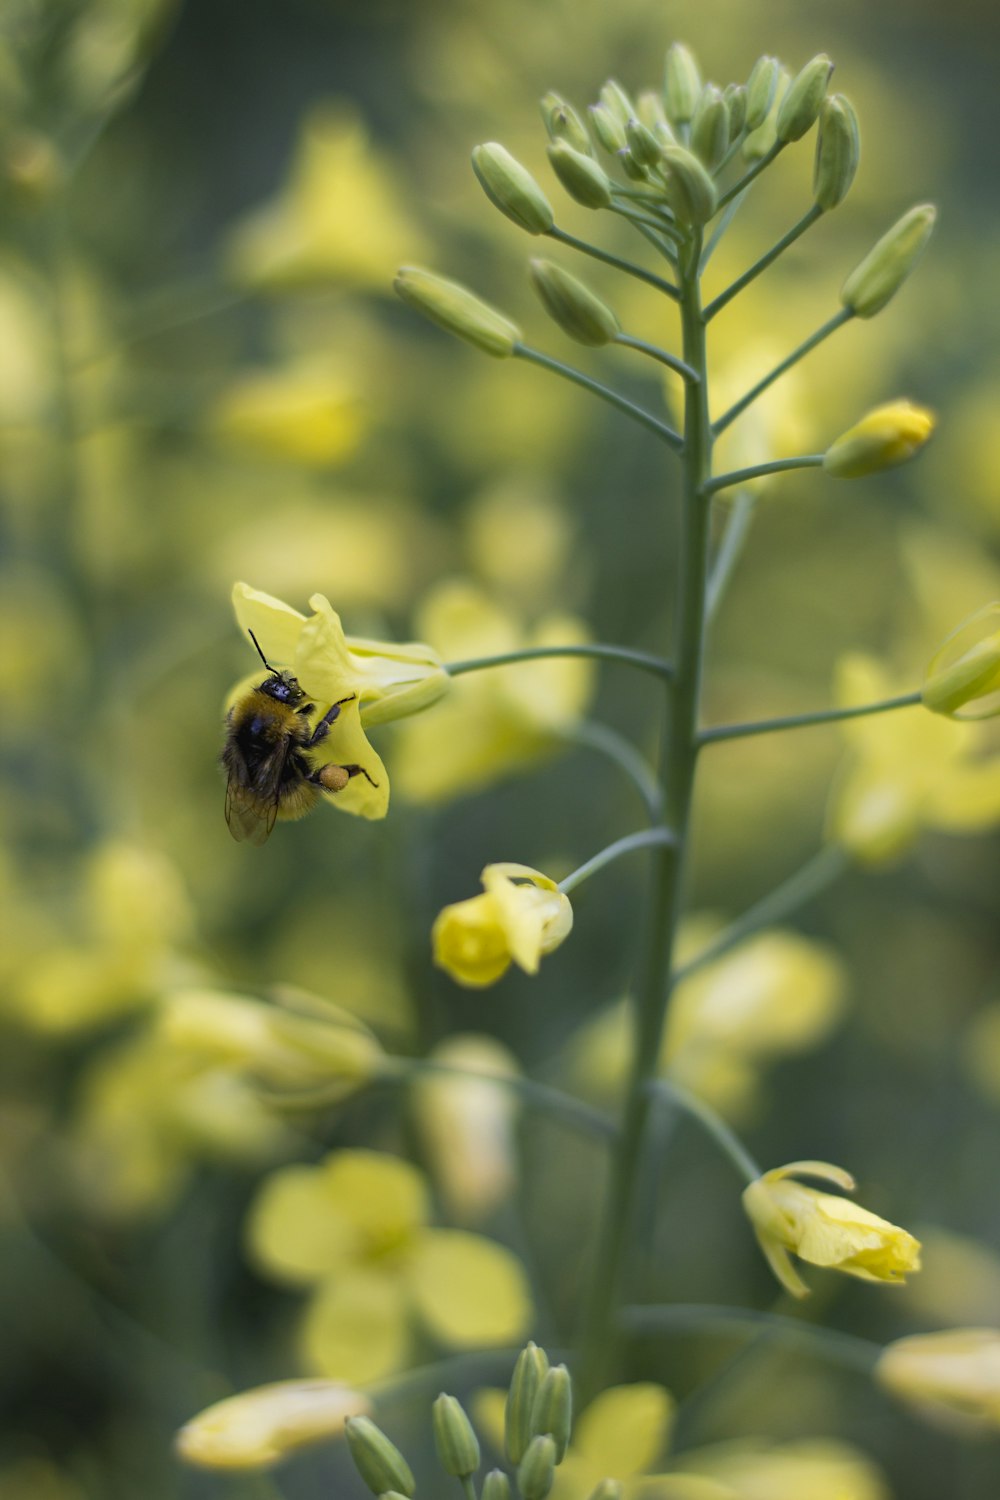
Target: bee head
(284, 687)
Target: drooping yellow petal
(469, 1290)
(260, 1427)
(356, 1327)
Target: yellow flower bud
(583, 179)
(529, 1371)
(682, 84)
(761, 86)
(260, 1427)
(877, 279)
(690, 190)
(823, 1229)
(571, 304)
(801, 104)
(564, 124)
(458, 310)
(512, 189)
(838, 150)
(963, 678)
(710, 130)
(379, 1462)
(537, 1469)
(454, 1439)
(953, 1376)
(886, 436)
(521, 916)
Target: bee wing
(248, 816)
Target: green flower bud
(642, 143)
(610, 131)
(631, 167)
(838, 150)
(649, 108)
(608, 1489)
(391, 1495)
(801, 105)
(710, 127)
(379, 1462)
(682, 84)
(877, 279)
(690, 190)
(552, 1413)
(735, 95)
(564, 124)
(456, 1442)
(963, 679)
(529, 1371)
(496, 1486)
(458, 310)
(582, 178)
(537, 1469)
(615, 99)
(512, 189)
(761, 86)
(758, 143)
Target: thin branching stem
(645, 660)
(760, 471)
(847, 1349)
(590, 734)
(748, 176)
(721, 732)
(837, 321)
(629, 267)
(734, 539)
(761, 265)
(712, 1123)
(663, 355)
(646, 838)
(644, 418)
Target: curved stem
(813, 877)
(592, 735)
(670, 360)
(846, 1349)
(712, 1123)
(658, 665)
(748, 177)
(630, 269)
(644, 418)
(730, 550)
(759, 471)
(564, 1107)
(646, 838)
(767, 259)
(725, 219)
(721, 732)
(837, 321)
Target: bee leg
(333, 778)
(322, 729)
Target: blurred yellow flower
(963, 678)
(260, 1427)
(823, 1229)
(386, 681)
(498, 720)
(309, 413)
(339, 218)
(355, 1228)
(907, 770)
(467, 1125)
(807, 1469)
(959, 1281)
(520, 916)
(952, 1377)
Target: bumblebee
(269, 734)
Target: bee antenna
(259, 651)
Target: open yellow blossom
(807, 1469)
(354, 1229)
(520, 916)
(260, 1427)
(387, 681)
(823, 1229)
(309, 414)
(963, 679)
(952, 1377)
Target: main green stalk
(678, 761)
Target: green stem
(846, 1349)
(759, 471)
(648, 220)
(712, 1123)
(837, 321)
(670, 360)
(748, 177)
(468, 1487)
(630, 269)
(644, 659)
(730, 550)
(679, 755)
(767, 259)
(721, 732)
(552, 1101)
(646, 838)
(810, 880)
(644, 418)
(728, 215)
(592, 735)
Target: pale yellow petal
(348, 745)
(469, 1290)
(276, 625)
(259, 1427)
(384, 1198)
(625, 1429)
(295, 1232)
(356, 1327)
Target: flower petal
(382, 1197)
(347, 745)
(625, 1429)
(276, 625)
(296, 1232)
(260, 1427)
(356, 1327)
(469, 1290)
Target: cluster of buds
(538, 1420)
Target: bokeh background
(204, 377)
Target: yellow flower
(338, 218)
(885, 437)
(307, 414)
(520, 916)
(952, 1377)
(808, 1469)
(387, 681)
(355, 1229)
(963, 679)
(260, 1427)
(497, 720)
(907, 770)
(823, 1229)
(467, 1125)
